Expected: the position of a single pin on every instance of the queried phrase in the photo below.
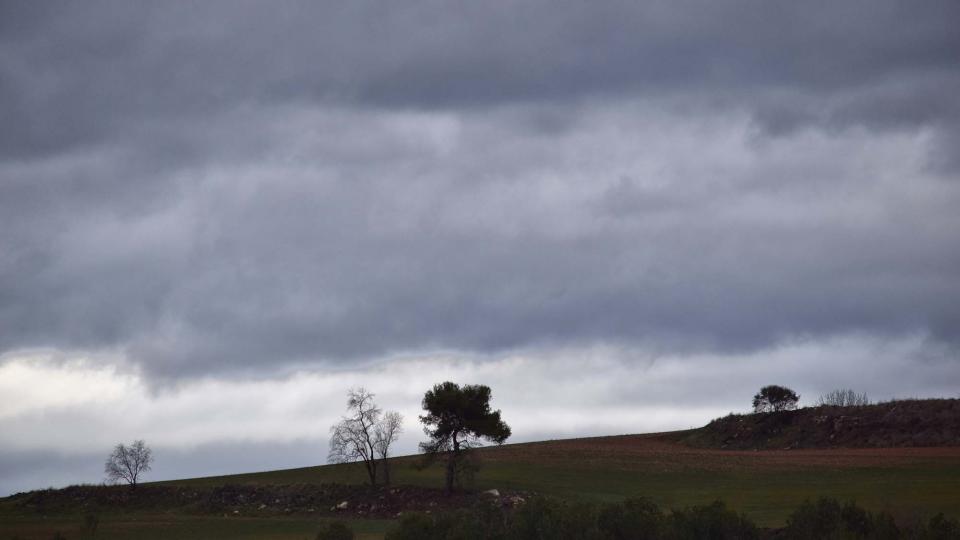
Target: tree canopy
(458, 419)
(774, 398)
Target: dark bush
(941, 528)
(885, 528)
(711, 522)
(335, 530)
(485, 521)
(543, 518)
(633, 519)
(414, 526)
(827, 519)
(90, 524)
(856, 522)
(815, 520)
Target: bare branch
(128, 463)
(365, 434)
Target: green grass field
(765, 485)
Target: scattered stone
(343, 506)
(492, 492)
(261, 507)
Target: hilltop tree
(457, 420)
(127, 463)
(365, 435)
(775, 398)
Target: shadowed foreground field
(766, 485)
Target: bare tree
(127, 463)
(365, 434)
(844, 398)
(388, 429)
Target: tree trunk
(451, 469)
(386, 471)
(452, 464)
(371, 471)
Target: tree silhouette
(775, 398)
(127, 463)
(457, 420)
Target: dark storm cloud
(227, 186)
(76, 73)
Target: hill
(867, 460)
(894, 424)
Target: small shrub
(844, 397)
(941, 528)
(543, 518)
(90, 524)
(856, 521)
(814, 521)
(714, 521)
(487, 520)
(414, 526)
(335, 530)
(633, 519)
(885, 527)
(827, 519)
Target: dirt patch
(666, 452)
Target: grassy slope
(766, 485)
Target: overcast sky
(216, 217)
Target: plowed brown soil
(663, 452)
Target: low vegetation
(641, 519)
(895, 424)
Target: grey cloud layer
(224, 187)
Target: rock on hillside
(906, 423)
